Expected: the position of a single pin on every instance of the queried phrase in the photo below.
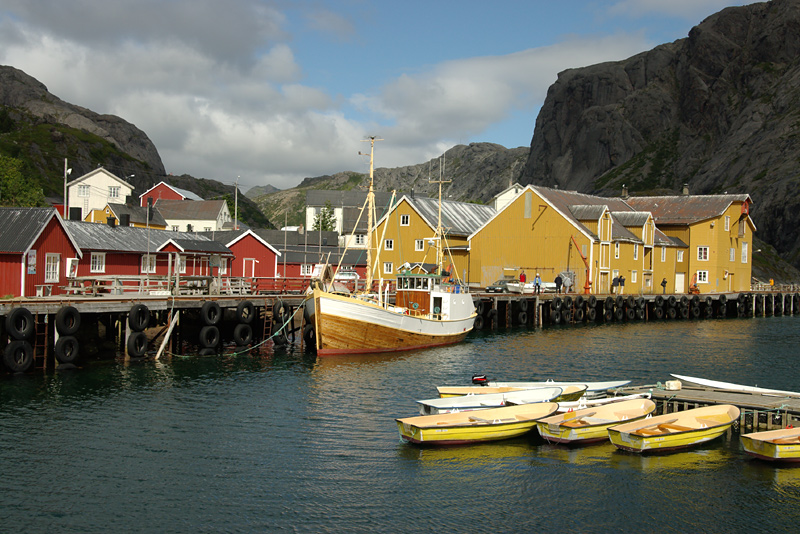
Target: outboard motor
(480, 380)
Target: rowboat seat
(490, 421)
(784, 441)
(677, 428)
(648, 431)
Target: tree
(15, 190)
(325, 219)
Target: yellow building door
(680, 282)
(603, 283)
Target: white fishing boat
(583, 402)
(729, 386)
(482, 402)
(429, 310)
(593, 389)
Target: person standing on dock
(558, 284)
(522, 278)
(664, 286)
(537, 284)
(614, 284)
(621, 284)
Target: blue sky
(272, 92)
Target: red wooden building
(163, 190)
(34, 251)
(253, 256)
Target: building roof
(186, 194)
(686, 209)
(23, 226)
(631, 218)
(137, 214)
(347, 199)
(587, 212)
(105, 238)
(277, 238)
(206, 210)
(231, 237)
(197, 245)
(332, 255)
(458, 218)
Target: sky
(273, 91)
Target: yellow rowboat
(475, 426)
(673, 431)
(569, 393)
(590, 425)
(773, 445)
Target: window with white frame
(732, 254)
(113, 191)
(148, 264)
(306, 269)
(727, 223)
(419, 245)
(636, 251)
(182, 264)
(663, 254)
(744, 252)
(175, 228)
(52, 264)
(702, 277)
(679, 256)
(361, 239)
(633, 276)
(388, 244)
(83, 190)
(206, 228)
(388, 267)
(98, 264)
(616, 251)
(702, 253)
(223, 266)
(405, 220)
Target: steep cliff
(719, 110)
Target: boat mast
(439, 229)
(370, 206)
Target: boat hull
(590, 425)
(674, 431)
(773, 445)
(346, 325)
(473, 427)
(482, 402)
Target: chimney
(125, 219)
(112, 221)
(188, 227)
(685, 191)
(624, 191)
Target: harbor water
(287, 442)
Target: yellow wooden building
(128, 216)
(718, 233)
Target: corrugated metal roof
(102, 237)
(200, 245)
(137, 214)
(458, 218)
(343, 198)
(685, 209)
(195, 209)
(21, 227)
(587, 213)
(186, 193)
(631, 218)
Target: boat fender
(138, 317)
(480, 380)
(211, 313)
(19, 324)
(68, 320)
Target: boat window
(419, 283)
(405, 283)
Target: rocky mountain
(718, 110)
(257, 191)
(41, 130)
(474, 173)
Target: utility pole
(236, 205)
(66, 201)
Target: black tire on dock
(18, 356)
(557, 303)
(709, 301)
(66, 349)
(580, 315)
(684, 312)
(137, 344)
(19, 323)
(608, 315)
(566, 315)
(522, 317)
(672, 301)
(245, 312)
(210, 313)
(640, 303)
(310, 335)
(630, 301)
(671, 313)
(138, 317)
(568, 302)
(658, 312)
(592, 301)
(630, 314)
(480, 307)
(243, 334)
(684, 301)
(619, 301)
(723, 300)
(579, 301)
(209, 336)
(659, 301)
(619, 314)
(478, 324)
(555, 316)
(523, 305)
(68, 321)
(640, 313)
(695, 311)
(608, 303)
(695, 300)
(709, 312)
(591, 314)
